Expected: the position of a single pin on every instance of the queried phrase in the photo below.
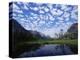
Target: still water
(48, 50)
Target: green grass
(69, 42)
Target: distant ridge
(73, 28)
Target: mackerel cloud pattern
(45, 17)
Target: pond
(48, 50)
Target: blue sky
(45, 17)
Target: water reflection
(48, 50)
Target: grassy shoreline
(69, 42)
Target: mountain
(73, 28)
(72, 32)
(39, 35)
(16, 27)
(20, 34)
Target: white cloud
(25, 7)
(35, 17)
(45, 8)
(63, 7)
(15, 6)
(75, 9)
(68, 9)
(19, 3)
(69, 23)
(41, 12)
(14, 14)
(17, 10)
(20, 15)
(74, 16)
(33, 14)
(31, 18)
(51, 17)
(41, 22)
(73, 13)
(38, 19)
(56, 12)
(33, 26)
(26, 16)
(35, 22)
(22, 19)
(46, 17)
(66, 15)
(57, 23)
(59, 12)
(34, 8)
(26, 25)
(42, 17)
(41, 7)
(67, 19)
(60, 18)
(16, 18)
(50, 6)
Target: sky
(46, 18)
